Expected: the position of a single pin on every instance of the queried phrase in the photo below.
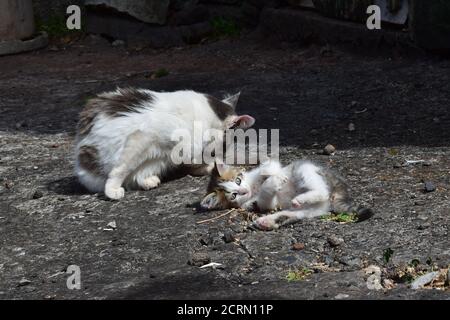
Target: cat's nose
(243, 191)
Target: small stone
(388, 284)
(112, 225)
(199, 259)
(448, 277)
(341, 296)
(298, 246)
(37, 194)
(351, 127)
(353, 103)
(429, 186)
(228, 236)
(335, 241)
(419, 203)
(314, 132)
(329, 149)
(118, 43)
(424, 280)
(24, 282)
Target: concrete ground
(400, 111)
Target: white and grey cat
(124, 136)
(300, 190)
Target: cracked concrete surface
(399, 107)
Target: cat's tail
(344, 204)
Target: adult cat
(124, 137)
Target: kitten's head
(227, 188)
(225, 110)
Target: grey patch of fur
(221, 109)
(88, 159)
(113, 104)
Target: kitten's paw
(150, 183)
(297, 203)
(265, 223)
(250, 206)
(115, 193)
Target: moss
(56, 27)
(343, 217)
(225, 27)
(298, 275)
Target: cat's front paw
(297, 203)
(115, 193)
(265, 223)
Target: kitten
(301, 190)
(124, 137)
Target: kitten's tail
(344, 204)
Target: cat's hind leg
(131, 157)
(285, 217)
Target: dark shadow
(68, 186)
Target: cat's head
(227, 188)
(225, 110)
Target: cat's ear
(243, 122)
(210, 202)
(219, 168)
(232, 100)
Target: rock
(351, 127)
(149, 11)
(118, 43)
(228, 236)
(24, 282)
(191, 14)
(298, 246)
(429, 186)
(112, 225)
(329, 149)
(424, 280)
(448, 277)
(199, 259)
(341, 296)
(37, 194)
(335, 241)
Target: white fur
(298, 189)
(134, 149)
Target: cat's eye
(233, 195)
(238, 181)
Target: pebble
(424, 280)
(298, 246)
(335, 241)
(118, 43)
(341, 296)
(351, 127)
(24, 282)
(112, 225)
(329, 149)
(228, 236)
(429, 186)
(37, 194)
(199, 259)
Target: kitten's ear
(219, 168)
(210, 202)
(243, 122)
(232, 100)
